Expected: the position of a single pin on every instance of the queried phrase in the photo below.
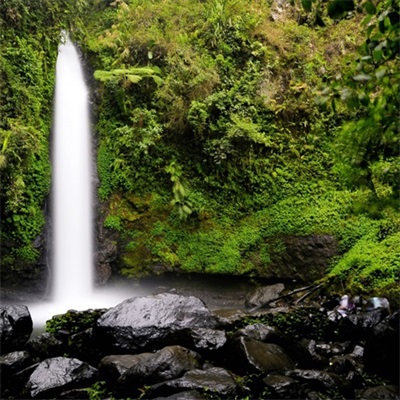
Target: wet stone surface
(174, 347)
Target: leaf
(307, 5)
(366, 20)
(364, 100)
(377, 55)
(382, 26)
(380, 73)
(157, 80)
(134, 78)
(186, 209)
(370, 8)
(362, 77)
(394, 18)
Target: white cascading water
(72, 230)
(72, 186)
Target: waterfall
(72, 240)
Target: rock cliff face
(305, 258)
(106, 248)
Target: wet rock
(112, 367)
(377, 302)
(147, 323)
(262, 296)
(341, 365)
(253, 356)
(82, 346)
(217, 381)
(45, 345)
(355, 381)
(207, 341)
(318, 360)
(169, 363)
(315, 380)
(13, 387)
(228, 318)
(357, 353)
(332, 349)
(313, 395)
(387, 392)
(56, 375)
(77, 394)
(10, 365)
(283, 387)
(15, 327)
(187, 395)
(355, 326)
(261, 332)
(13, 362)
(269, 334)
(381, 353)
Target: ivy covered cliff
(234, 137)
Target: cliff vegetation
(225, 128)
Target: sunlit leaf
(134, 78)
(362, 77)
(380, 73)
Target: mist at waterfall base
(71, 258)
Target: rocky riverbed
(172, 346)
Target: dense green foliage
(30, 35)
(217, 138)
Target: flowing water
(72, 184)
(71, 261)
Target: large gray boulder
(152, 322)
(56, 375)
(169, 363)
(15, 327)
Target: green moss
(371, 266)
(74, 321)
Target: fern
(134, 75)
